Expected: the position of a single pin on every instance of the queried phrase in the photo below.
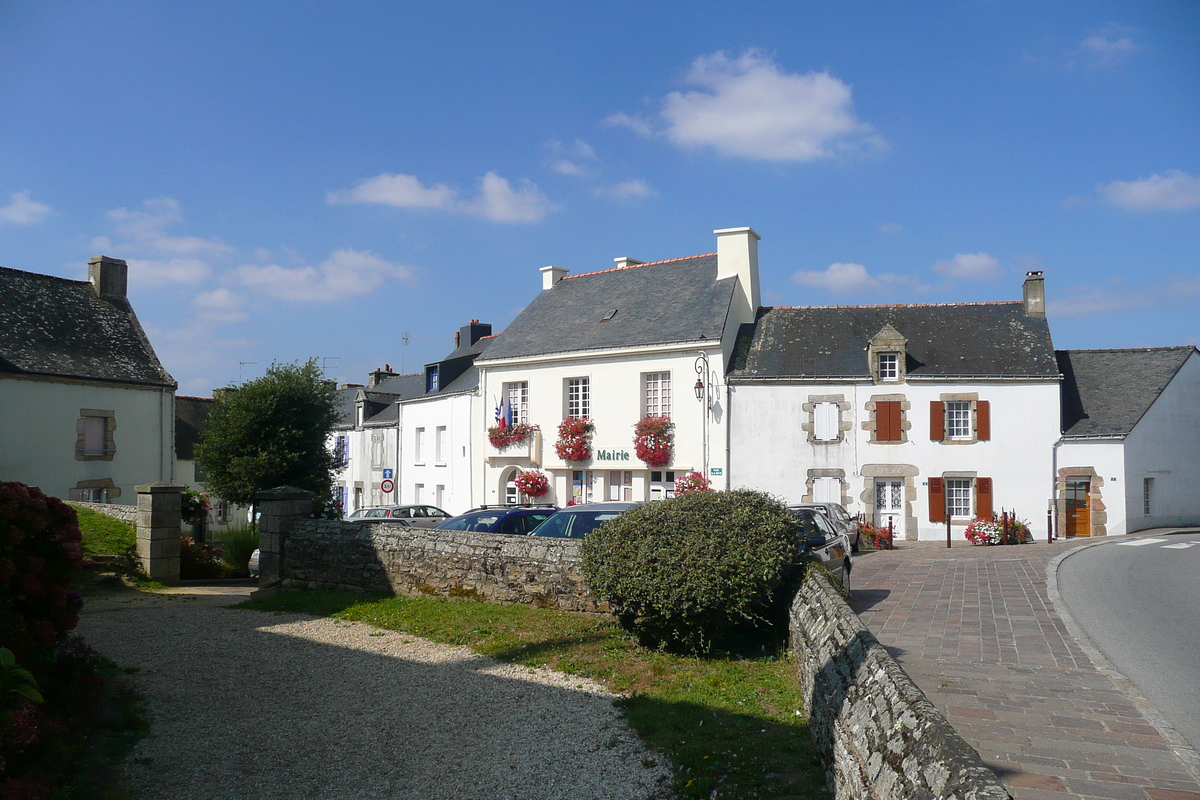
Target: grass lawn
(728, 723)
(103, 535)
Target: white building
(1127, 460)
(901, 412)
(88, 409)
(614, 346)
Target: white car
(253, 565)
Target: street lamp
(705, 388)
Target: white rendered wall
(453, 470)
(1107, 458)
(771, 452)
(616, 406)
(1165, 446)
(37, 439)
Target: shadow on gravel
(713, 748)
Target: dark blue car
(516, 520)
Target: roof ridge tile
(635, 266)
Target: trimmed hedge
(687, 573)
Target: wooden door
(1079, 513)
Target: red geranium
(509, 436)
(575, 439)
(652, 438)
(692, 482)
(532, 483)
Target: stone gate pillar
(280, 508)
(158, 529)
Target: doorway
(889, 503)
(1079, 512)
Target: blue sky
(314, 180)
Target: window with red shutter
(937, 420)
(937, 500)
(983, 420)
(887, 421)
(983, 498)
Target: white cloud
(626, 190)
(398, 191)
(144, 231)
(1173, 191)
(221, 306)
(1106, 48)
(970, 266)
(346, 273)
(496, 201)
(161, 272)
(847, 278)
(749, 107)
(23, 211)
(565, 167)
(622, 120)
(1092, 299)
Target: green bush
(690, 572)
(198, 561)
(239, 543)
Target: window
(377, 450)
(419, 446)
(418, 493)
(662, 484)
(341, 452)
(431, 379)
(958, 420)
(958, 494)
(94, 435)
(438, 494)
(1147, 492)
(620, 485)
(827, 490)
(579, 397)
(439, 445)
(888, 419)
(582, 486)
(657, 393)
(518, 401)
(339, 497)
(889, 366)
(826, 422)
(376, 495)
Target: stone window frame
(960, 397)
(811, 481)
(888, 341)
(110, 426)
(909, 473)
(869, 424)
(111, 490)
(810, 427)
(1096, 508)
(972, 495)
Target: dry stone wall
(883, 739)
(381, 557)
(123, 513)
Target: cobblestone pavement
(976, 630)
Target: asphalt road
(1138, 600)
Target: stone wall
(361, 556)
(123, 513)
(883, 738)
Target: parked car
(826, 544)
(517, 520)
(253, 565)
(839, 517)
(418, 516)
(575, 522)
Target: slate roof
(660, 302)
(58, 327)
(1106, 392)
(945, 340)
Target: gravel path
(254, 705)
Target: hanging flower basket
(510, 435)
(692, 482)
(652, 440)
(532, 483)
(194, 507)
(575, 439)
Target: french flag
(504, 414)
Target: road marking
(1140, 542)
(1180, 546)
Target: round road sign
(387, 487)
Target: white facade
(1100, 464)
(436, 451)
(779, 447)
(369, 450)
(85, 441)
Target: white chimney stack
(551, 276)
(109, 276)
(625, 261)
(1034, 291)
(737, 256)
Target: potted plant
(504, 437)
(692, 482)
(575, 439)
(652, 440)
(532, 483)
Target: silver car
(416, 516)
(838, 517)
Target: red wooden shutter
(983, 498)
(937, 500)
(983, 420)
(894, 421)
(887, 421)
(937, 420)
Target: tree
(271, 432)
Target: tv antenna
(244, 364)
(403, 344)
(328, 358)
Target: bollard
(1049, 526)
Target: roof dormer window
(888, 366)
(886, 355)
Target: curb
(1180, 746)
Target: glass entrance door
(889, 503)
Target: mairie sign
(612, 455)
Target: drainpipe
(399, 440)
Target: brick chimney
(551, 276)
(737, 256)
(109, 277)
(1034, 291)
